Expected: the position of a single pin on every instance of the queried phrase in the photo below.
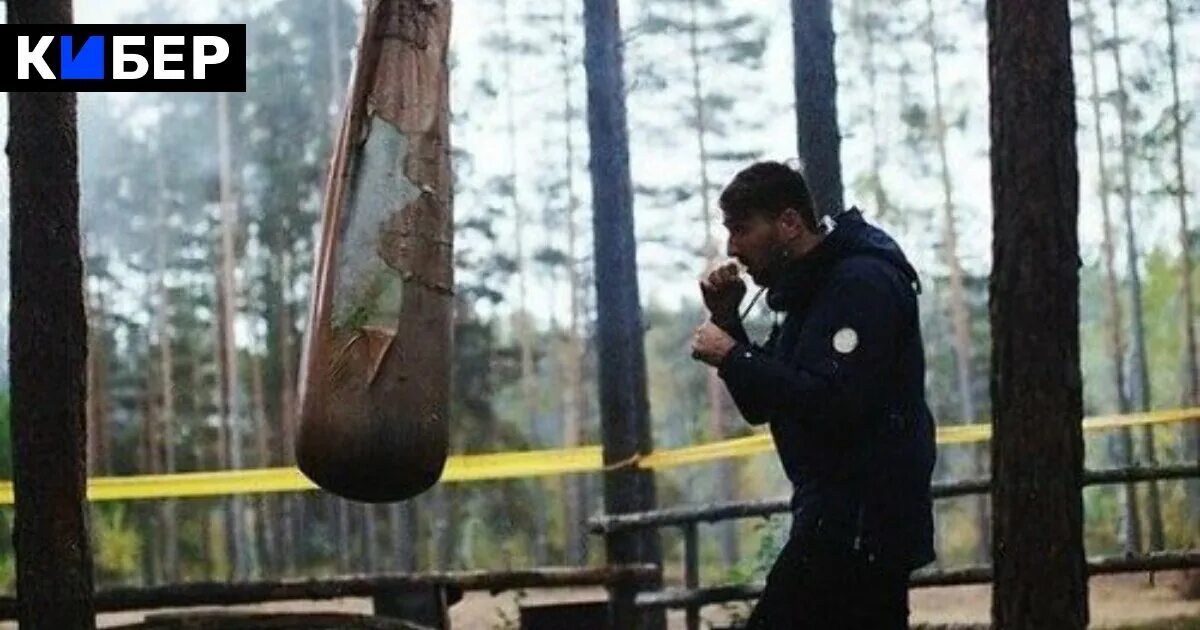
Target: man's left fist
(710, 344)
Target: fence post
(691, 571)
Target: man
(841, 382)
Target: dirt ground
(1115, 601)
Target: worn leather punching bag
(375, 375)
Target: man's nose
(731, 249)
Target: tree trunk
(336, 79)
(403, 523)
(269, 526)
(371, 551)
(867, 20)
(574, 406)
(523, 322)
(624, 408)
(342, 510)
(151, 464)
(818, 138)
(287, 406)
(199, 446)
(231, 404)
(717, 408)
(1040, 573)
(1131, 524)
(443, 530)
(166, 404)
(1142, 393)
(97, 387)
(1191, 431)
(47, 351)
(960, 317)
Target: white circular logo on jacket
(845, 340)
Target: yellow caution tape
(513, 465)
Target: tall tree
(99, 447)
(227, 292)
(817, 135)
(719, 37)
(1131, 523)
(624, 410)
(47, 350)
(1141, 368)
(869, 23)
(523, 319)
(574, 398)
(959, 309)
(150, 460)
(268, 533)
(1191, 390)
(166, 383)
(1040, 573)
(403, 525)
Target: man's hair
(767, 189)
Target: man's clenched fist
(723, 290)
(710, 344)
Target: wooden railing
(692, 596)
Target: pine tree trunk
(624, 408)
(48, 351)
(866, 21)
(1190, 434)
(574, 405)
(404, 536)
(443, 530)
(523, 322)
(1142, 393)
(269, 526)
(97, 387)
(1040, 572)
(151, 464)
(337, 81)
(371, 551)
(166, 393)
(960, 317)
(342, 511)
(287, 407)
(231, 404)
(199, 447)
(817, 134)
(1131, 523)
(717, 408)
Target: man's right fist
(723, 290)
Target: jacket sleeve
(733, 327)
(840, 362)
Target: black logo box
(227, 76)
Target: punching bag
(375, 371)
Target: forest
(200, 214)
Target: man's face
(755, 242)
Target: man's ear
(791, 223)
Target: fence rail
(229, 594)
(767, 507)
(692, 596)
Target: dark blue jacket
(842, 384)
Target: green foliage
(117, 551)
(772, 534)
